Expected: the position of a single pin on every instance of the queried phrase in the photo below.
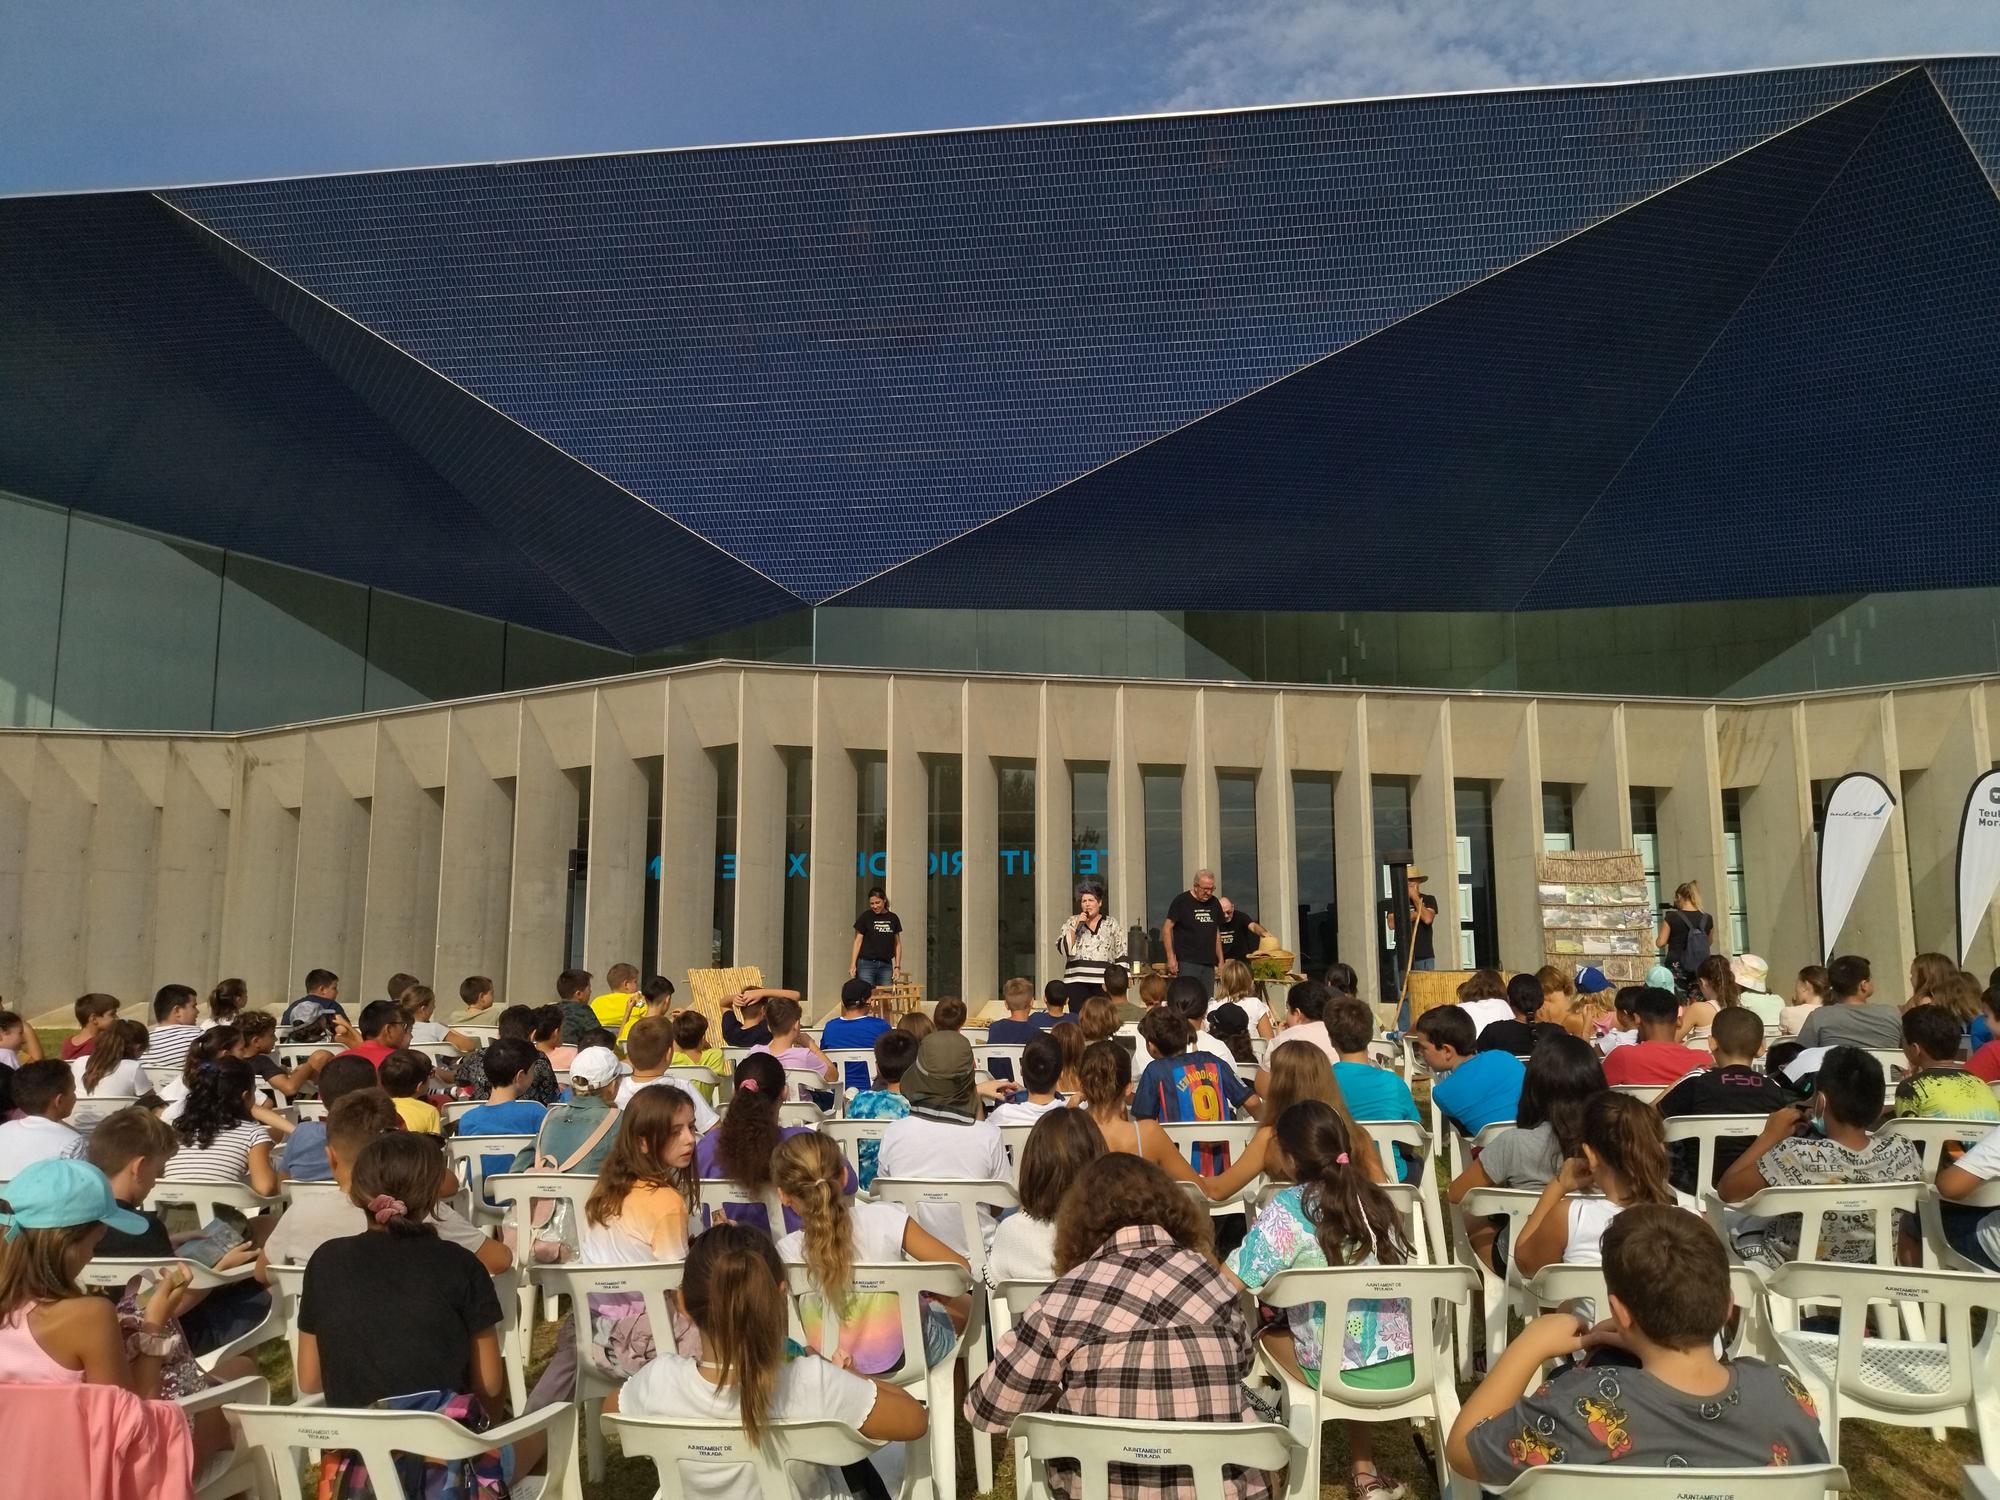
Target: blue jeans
(1204, 972)
(1425, 964)
(875, 971)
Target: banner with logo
(1857, 810)
(1978, 858)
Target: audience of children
(1104, 1079)
(895, 1053)
(1469, 1088)
(1621, 1162)
(1733, 1086)
(740, 1149)
(1297, 1073)
(515, 1023)
(1061, 1145)
(1656, 1057)
(44, 1098)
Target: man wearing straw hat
(1423, 911)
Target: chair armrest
(541, 1420)
(247, 1390)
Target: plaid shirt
(1142, 1330)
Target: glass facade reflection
(1016, 828)
(944, 885)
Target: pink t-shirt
(1654, 1062)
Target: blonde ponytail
(809, 1170)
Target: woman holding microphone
(1090, 942)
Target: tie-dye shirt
(870, 1328)
(874, 1104)
(1282, 1238)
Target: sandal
(1375, 1487)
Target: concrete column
(1603, 806)
(1277, 835)
(124, 850)
(405, 829)
(1953, 721)
(1881, 923)
(477, 843)
(1517, 845)
(193, 861)
(545, 809)
(1357, 882)
(760, 840)
(1434, 830)
(909, 838)
(831, 907)
(17, 773)
(55, 871)
(1201, 814)
(687, 838)
(1765, 755)
(263, 864)
(330, 889)
(615, 896)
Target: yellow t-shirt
(611, 1008)
(711, 1059)
(419, 1117)
(632, 1020)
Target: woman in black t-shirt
(396, 1311)
(1681, 922)
(878, 942)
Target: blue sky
(117, 93)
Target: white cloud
(1273, 51)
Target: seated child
(404, 1073)
(691, 1050)
(1182, 1085)
(1939, 1086)
(1732, 1087)
(1681, 1407)
(855, 1026)
(1041, 1071)
(895, 1054)
(648, 1049)
(1471, 1089)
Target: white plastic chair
(802, 1084)
(962, 1195)
(1388, 1055)
(671, 1442)
(1007, 1301)
(1205, 1449)
(1554, 1285)
(1706, 1131)
(849, 1135)
(1954, 1382)
(1880, 1200)
(1386, 1136)
(1645, 1093)
(718, 1193)
(1187, 1134)
(1933, 1137)
(1937, 1249)
(653, 1280)
(468, 1159)
(1432, 1292)
(293, 1192)
(205, 1198)
(280, 1433)
(930, 1384)
(695, 1078)
(236, 1472)
(1618, 1482)
(111, 1272)
(516, 1193)
(800, 1112)
(1016, 1139)
(983, 1054)
(1497, 1294)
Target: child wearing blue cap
(52, 1332)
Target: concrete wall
(438, 839)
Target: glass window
(420, 653)
(33, 541)
(798, 864)
(1389, 798)
(723, 943)
(534, 658)
(653, 768)
(1236, 805)
(1089, 825)
(1313, 838)
(1732, 863)
(294, 646)
(1017, 868)
(1478, 913)
(1558, 817)
(871, 824)
(579, 872)
(944, 940)
(1646, 839)
(138, 634)
(1165, 879)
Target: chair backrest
(962, 1195)
(1619, 1482)
(1645, 1093)
(469, 1154)
(1386, 1054)
(653, 1280)
(1016, 1139)
(1387, 1135)
(1895, 1062)
(458, 1109)
(292, 1192)
(516, 1193)
(1957, 1293)
(1185, 1134)
(111, 1272)
(287, 1282)
(309, 1109)
(801, 1083)
(1016, 1297)
(1705, 1131)
(1932, 1138)
(1203, 1448)
(377, 1436)
(1433, 1293)
(905, 1281)
(1491, 1134)
(849, 1134)
(800, 1112)
(854, 1064)
(1554, 1285)
(1879, 1200)
(206, 1197)
(718, 1193)
(671, 1442)
(692, 1077)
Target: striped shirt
(1144, 1330)
(167, 1050)
(1087, 954)
(226, 1159)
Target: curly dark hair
(215, 1101)
(750, 1130)
(1119, 1190)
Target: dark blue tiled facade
(1473, 352)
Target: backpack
(1695, 953)
(552, 1238)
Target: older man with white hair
(1193, 932)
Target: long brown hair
(34, 1266)
(639, 1153)
(1485, 984)
(1627, 1135)
(1715, 971)
(809, 1170)
(734, 1288)
(228, 998)
(1927, 972)
(1119, 1190)
(1298, 1073)
(1103, 1074)
(1098, 1018)
(121, 1041)
(751, 1128)
(1069, 1036)
(1959, 993)
(1346, 1208)
(1062, 1144)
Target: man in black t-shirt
(1240, 931)
(1193, 932)
(1421, 913)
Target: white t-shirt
(34, 1138)
(126, 1081)
(1203, 1042)
(1589, 1217)
(878, 1235)
(1024, 1249)
(1485, 1012)
(427, 1033)
(1254, 1008)
(1613, 1040)
(916, 1147)
(672, 1386)
(704, 1112)
(1982, 1160)
(1023, 1112)
(225, 1159)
